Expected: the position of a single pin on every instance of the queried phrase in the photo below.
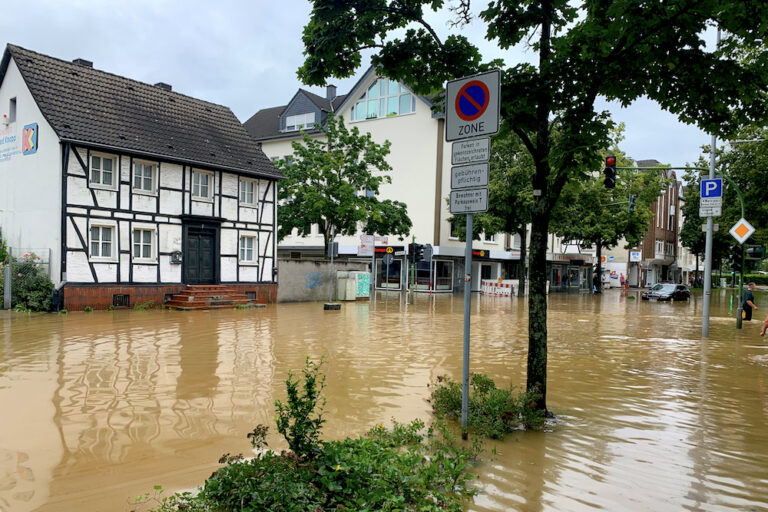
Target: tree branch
(463, 14)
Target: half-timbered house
(137, 190)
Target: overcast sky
(245, 53)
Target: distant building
(135, 189)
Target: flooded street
(100, 407)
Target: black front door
(200, 254)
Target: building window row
(103, 174)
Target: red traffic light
(610, 161)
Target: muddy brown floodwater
(100, 407)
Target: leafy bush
(492, 412)
(761, 279)
(407, 467)
(31, 289)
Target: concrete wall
(308, 280)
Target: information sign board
(468, 151)
(471, 200)
(470, 176)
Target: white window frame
(243, 192)
(12, 110)
(197, 196)
(489, 239)
(383, 95)
(153, 176)
(242, 250)
(115, 171)
(144, 228)
(300, 122)
(102, 225)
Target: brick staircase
(204, 296)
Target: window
(143, 244)
(454, 232)
(144, 177)
(384, 98)
(489, 238)
(246, 249)
(659, 248)
(299, 122)
(101, 241)
(249, 191)
(202, 185)
(103, 171)
(12, 111)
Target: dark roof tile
(95, 107)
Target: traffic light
(755, 252)
(631, 208)
(737, 257)
(411, 252)
(610, 172)
(419, 252)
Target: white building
(421, 165)
(135, 189)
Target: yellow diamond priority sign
(742, 230)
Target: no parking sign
(472, 106)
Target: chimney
(330, 92)
(83, 62)
(163, 85)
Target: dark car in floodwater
(667, 291)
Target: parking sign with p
(712, 188)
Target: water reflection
(106, 405)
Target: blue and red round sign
(472, 100)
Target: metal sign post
(472, 113)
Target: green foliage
(63, 312)
(492, 412)
(3, 250)
(761, 279)
(111, 307)
(406, 467)
(88, 309)
(300, 418)
(31, 289)
(334, 182)
(142, 306)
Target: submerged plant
(492, 412)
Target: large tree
(619, 49)
(334, 181)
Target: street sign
(472, 105)
(468, 151)
(471, 200)
(715, 227)
(387, 258)
(366, 247)
(469, 176)
(742, 230)
(711, 189)
(710, 211)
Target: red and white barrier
(498, 288)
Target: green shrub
(32, 290)
(88, 309)
(141, 306)
(492, 412)
(406, 467)
(761, 279)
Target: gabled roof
(89, 106)
(265, 124)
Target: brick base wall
(78, 297)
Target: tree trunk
(537, 311)
(599, 266)
(523, 253)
